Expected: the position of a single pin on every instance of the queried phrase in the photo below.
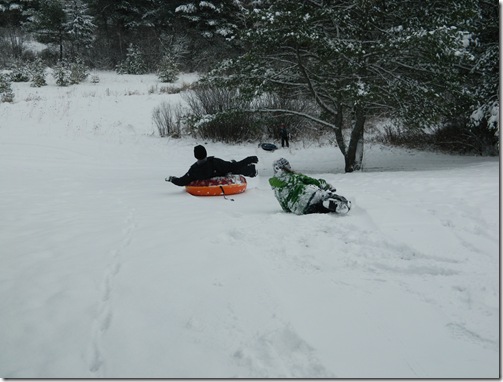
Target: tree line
(101, 31)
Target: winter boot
(338, 204)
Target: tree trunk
(61, 51)
(359, 154)
(354, 155)
(338, 130)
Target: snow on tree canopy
(206, 4)
(187, 8)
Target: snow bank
(108, 271)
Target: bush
(12, 39)
(410, 138)
(6, 93)
(167, 119)
(228, 126)
(219, 114)
(454, 137)
(20, 73)
(37, 71)
(463, 138)
(62, 74)
(70, 74)
(78, 72)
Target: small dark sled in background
(268, 146)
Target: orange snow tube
(220, 185)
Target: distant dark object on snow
(268, 146)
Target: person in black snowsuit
(208, 167)
(284, 136)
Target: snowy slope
(108, 271)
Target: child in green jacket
(302, 194)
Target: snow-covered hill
(108, 271)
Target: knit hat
(281, 164)
(200, 152)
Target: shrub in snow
(134, 63)
(79, 25)
(229, 126)
(168, 69)
(6, 93)
(78, 72)
(20, 73)
(70, 74)
(95, 79)
(464, 138)
(7, 96)
(37, 70)
(61, 74)
(167, 119)
(219, 114)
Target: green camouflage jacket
(296, 192)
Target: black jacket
(211, 167)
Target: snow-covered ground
(108, 271)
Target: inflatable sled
(220, 185)
(268, 146)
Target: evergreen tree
(79, 26)
(472, 123)
(485, 68)
(212, 27)
(78, 71)
(61, 74)
(120, 23)
(354, 59)
(20, 72)
(13, 13)
(6, 93)
(37, 70)
(213, 18)
(70, 73)
(168, 69)
(134, 63)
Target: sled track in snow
(104, 317)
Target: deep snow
(108, 271)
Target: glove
(253, 159)
(169, 179)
